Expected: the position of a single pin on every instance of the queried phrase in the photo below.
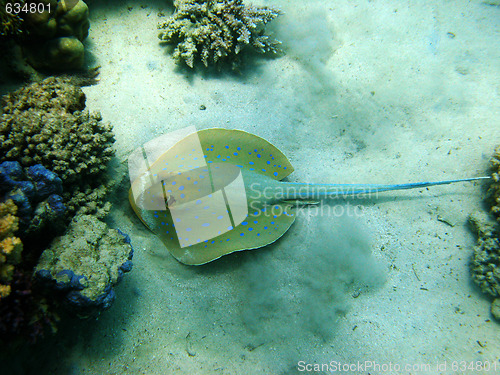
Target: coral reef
(10, 246)
(37, 196)
(485, 264)
(46, 123)
(494, 190)
(55, 37)
(216, 31)
(85, 264)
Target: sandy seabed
(368, 92)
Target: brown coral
(494, 190)
(10, 246)
(485, 265)
(46, 123)
(215, 31)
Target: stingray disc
(198, 204)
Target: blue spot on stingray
(227, 239)
(173, 183)
(250, 229)
(258, 234)
(220, 217)
(206, 208)
(188, 229)
(252, 169)
(251, 163)
(265, 227)
(242, 234)
(210, 161)
(240, 166)
(272, 222)
(254, 150)
(201, 176)
(238, 148)
(284, 168)
(195, 183)
(183, 195)
(275, 173)
(189, 178)
(263, 170)
(258, 155)
(212, 242)
(224, 159)
(275, 216)
(178, 220)
(205, 224)
(268, 162)
(198, 201)
(218, 156)
(162, 223)
(227, 146)
(181, 188)
(156, 216)
(205, 156)
(196, 217)
(229, 227)
(244, 223)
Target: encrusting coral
(85, 264)
(10, 246)
(216, 31)
(485, 264)
(46, 123)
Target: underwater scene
(249, 187)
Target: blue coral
(36, 193)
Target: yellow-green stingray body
(236, 189)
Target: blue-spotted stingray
(218, 191)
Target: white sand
(369, 91)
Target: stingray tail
(318, 191)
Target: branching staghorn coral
(215, 31)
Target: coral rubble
(46, 123)
(216, 31)
(85, 264)
(485, 264)
(10, 246)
